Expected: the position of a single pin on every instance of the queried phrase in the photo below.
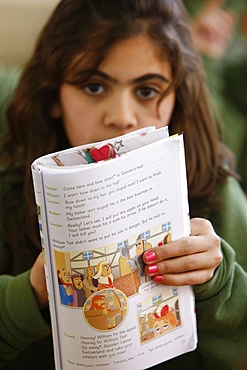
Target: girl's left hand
(188, 261)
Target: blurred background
(219, 28)
(20, 23)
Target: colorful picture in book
(159, 314)
(89, 155)
(117, 266)
(70, 158)
(106, 309)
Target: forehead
(136, 53)
(126, 59)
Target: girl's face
(120, 97)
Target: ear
(56, 111)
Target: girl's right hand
(38, 283)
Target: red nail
(150, 256)
(158, 278)
(152, 269)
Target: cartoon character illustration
(65, 287)
(90, 283)
(137, 263)
(167, 239)
(165, 322)
(102, 317)
(99, 303)
(79, 295)
(142, 324)
(150, 323)
(70, 158)
(104, 275)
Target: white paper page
(107, 210)
(120, 145)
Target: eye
(146, 92)
(165, 327)
(94, 88)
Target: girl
(101, 69)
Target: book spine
(186, 210)
(184, 187)
(44, 230)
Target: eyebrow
(143, 78)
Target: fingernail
(150, 256)
(152, 269)
(158, 278)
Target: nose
(121, 113)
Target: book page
(100, 220)
(105, 150)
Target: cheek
(77, 116)
(166, 109)
(78, 127)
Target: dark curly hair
(73, 43)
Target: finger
(194, 262)
(188, 278)
(202, 234)
(200, 226)
(182, 247)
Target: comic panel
(158, 314)
(117, 266)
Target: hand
(213, 29)
(188, 261)
(129, 263)
(37, 279)
(69, 290)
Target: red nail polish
(150, 256)
(158, 278)
(152, 269)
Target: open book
(100, 206)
